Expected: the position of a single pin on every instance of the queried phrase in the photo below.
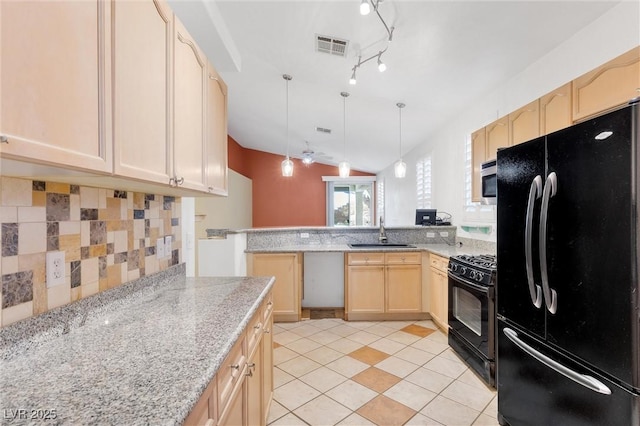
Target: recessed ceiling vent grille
(323, 130)
(331, 45)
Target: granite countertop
(141, 359)
(439, 249)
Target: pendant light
(344, 167)
(287, 164)
(400, 168)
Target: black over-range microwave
(489, 182)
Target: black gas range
(472, 314)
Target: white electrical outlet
(168, 247)
(304, 235)
(431, 234)
(444, 234)
(55, 268)
(160, 248)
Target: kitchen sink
(379, 245)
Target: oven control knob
(454, 267)
(463, 270)
(479, 276)
(472, 275)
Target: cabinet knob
(257, 326)
(4, 139)
(235, 366)
(267, 331)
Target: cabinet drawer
(231, 373)
(403, 258)
(438, 262)
(254, 332)
(374, 258)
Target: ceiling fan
(309, 156)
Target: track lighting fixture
(381, 65)
(353, 80)
(287, 164)
(365, 8)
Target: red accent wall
(237, 159)
(299, 200)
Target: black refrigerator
(567, 280)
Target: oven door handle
(550, 189)
(474, 286)
(535, 192)
(582, 379)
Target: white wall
(611, 35)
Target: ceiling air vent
(323, 130)
(331, 45)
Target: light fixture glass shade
(344, 168)
(365, 8)
(382, 67)
(400, 169)
(287, 167)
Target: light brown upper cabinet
(524, 123)
(608, 86)
(143, 37)
(497, 136)
(555, 110)
(217, 174)
(190, 79)
(478, 156)
(55, 90)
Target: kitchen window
(350, 201)
(423, 183)
(380, 198)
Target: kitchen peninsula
(406, 282)
(143, 353)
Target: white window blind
(423, 183)
(380, 197)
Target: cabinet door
(253, 378)
(189, 111)
(524, 123)
(497, 136)
(217, 173)
(555, 110)
(267, 368)
(404, 288)
(142, 75)
(438, 298)
(365, 290)
(608, 86)
(235, 414)
(478, 156)
(286, 290)
(55, 83)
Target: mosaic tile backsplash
(108, 237)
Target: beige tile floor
(329, 372)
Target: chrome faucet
(383, 234)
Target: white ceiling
(444, 55)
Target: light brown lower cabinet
(241, 391)
(382, 286)
(287, 290)
(439, 291)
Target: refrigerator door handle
(582, 379)
(550, 189)
(535, 292)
